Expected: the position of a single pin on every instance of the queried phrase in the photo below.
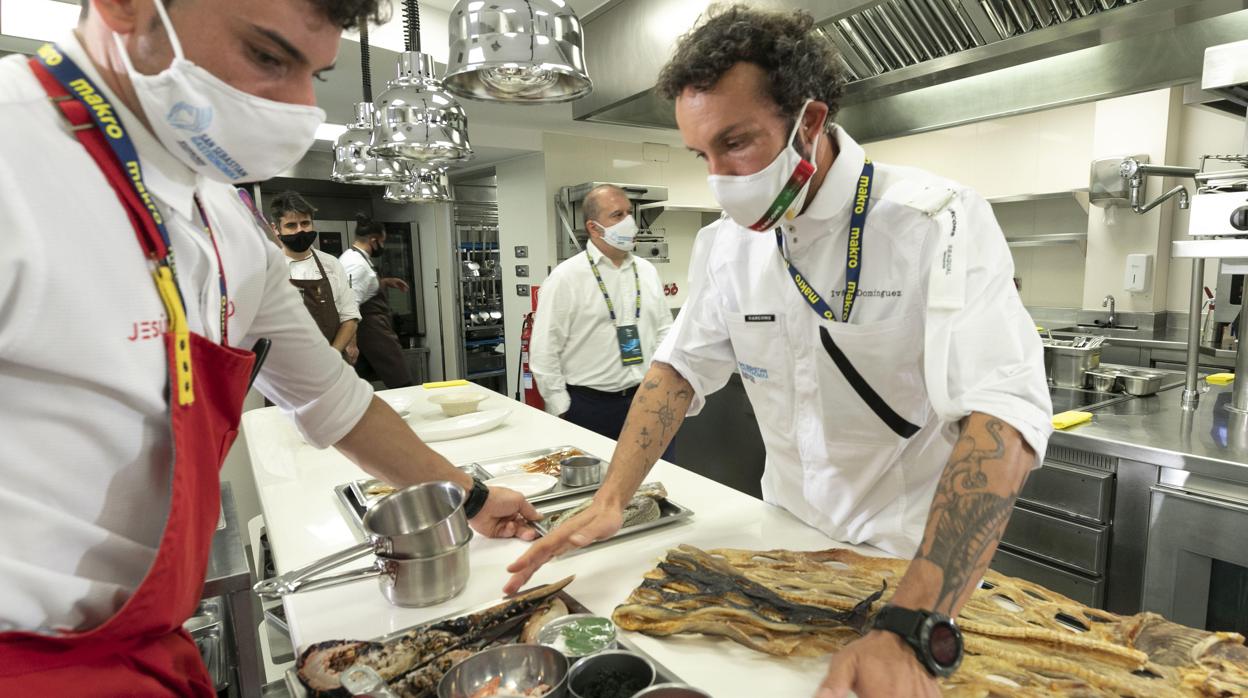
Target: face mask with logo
(760, 200)
(298, 242)
(217, 130)
(622, 236)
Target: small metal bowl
(673, 690)
(552, 635)
(616, 666)
(1102, 381)
(519, 668)
(580, 471)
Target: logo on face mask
(188, 117)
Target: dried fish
(417, 659)
(642, 508)
(549, 464)
(552, 610)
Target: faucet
(1110, 303)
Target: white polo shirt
(574, 340)
(85, 467)
(344, 298)
(832, 459)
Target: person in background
(380, 352)
(897, 379)
(319, 277)
(600, 317)
(121, 390)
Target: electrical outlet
(522, 290)
(522, 251)
(522, 270)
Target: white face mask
(760, 200)
(622, 236)
(217, 130)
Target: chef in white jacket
(898, 381)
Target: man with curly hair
(898, 381)
(133, 282)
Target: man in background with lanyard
(381, 356)
(120, 148)
(897, 379)
(319, 277)
(600, 317)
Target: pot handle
(302, 579)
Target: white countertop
(305, 522)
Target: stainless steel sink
(1124, 331)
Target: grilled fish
(642, 508)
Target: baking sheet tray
(669, 513)
(662, 673)
(354, 500)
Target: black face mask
(299, 242)
(376, 249)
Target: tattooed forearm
(656, 414)
(970, 509)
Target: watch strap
(475, 501)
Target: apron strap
(900, 426)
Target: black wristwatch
(933, 636)
(476, 498)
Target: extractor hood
(919, 65)
(1226, 72)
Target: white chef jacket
(344, 298)
(85, 470)
(574, 340)
(361, 274)
(830, 459)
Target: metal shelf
(1080, 239)
(476, 328)
(478, 343)
(1042, 196)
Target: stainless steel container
(673, 690)
(1103, 380)
(552, 634)
(1067, 363)
(622, 665)
(580, 471)
(205, 628)
(1140, 382)
(518, 668)
(407, 582)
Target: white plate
(527, 484)
(459, 427)
(400, 404)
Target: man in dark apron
(380, 354)
(320, 278)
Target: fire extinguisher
(528, 386)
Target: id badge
(630, 345)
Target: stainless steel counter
(1210, 441)
(1171, 339)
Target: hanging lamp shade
(520, 51)
(417, 120)
(428, 187)
(354, 160)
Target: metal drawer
(1058, 540)
(1083, 494)
(1085, 590)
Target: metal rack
(480, 289)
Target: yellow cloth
(1220, 378)
(1068, 419)
(444, 384)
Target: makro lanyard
(602, 286)
(158, 248)
(225, 297)
(853, 253)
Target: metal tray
(662, 673)
(355, 502)
(494, 467)
(669, 513)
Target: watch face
(944, 644)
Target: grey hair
(799, 62)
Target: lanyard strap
(225, 297)
(853, 253)
(602, 286)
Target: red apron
(143, 650)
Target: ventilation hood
(1226, 72)
(920, 65)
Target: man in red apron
(319, 277)
(121, 399)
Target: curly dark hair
(800, 63)
(289, 202)
(344, 13)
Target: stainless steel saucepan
(420, 522)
